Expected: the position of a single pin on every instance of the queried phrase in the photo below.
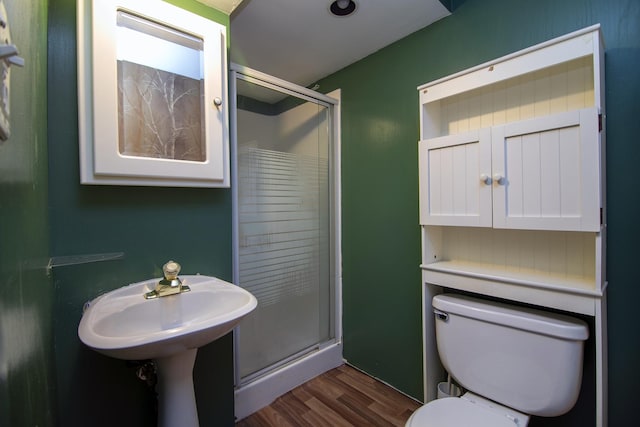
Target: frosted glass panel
(284, 226)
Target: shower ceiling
(301, 41)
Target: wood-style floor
(343, 396)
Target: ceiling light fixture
(342, 7)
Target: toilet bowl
(514, 362)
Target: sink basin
(169, 330)
(125, 325)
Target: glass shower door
(284, 252)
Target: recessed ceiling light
(342, 7)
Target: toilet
(513, 362)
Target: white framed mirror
(152, 95)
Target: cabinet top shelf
(581, 43)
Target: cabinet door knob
(498, 178)
(486, 179)
(217, 101)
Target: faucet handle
(171, 270)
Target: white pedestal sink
(125, 325)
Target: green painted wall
(150, 226)
(26, 366)
(381, 246)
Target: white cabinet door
(537, 174)
(547, 173)
(451, 189)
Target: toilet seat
(464, 412)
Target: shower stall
(285, 186)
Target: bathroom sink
(125, 325)
(166, 320)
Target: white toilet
(514, 362)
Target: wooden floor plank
(328, 414)
(316, 420)
(266, 417)
(341, 397)
(319, 385)
(301, 394)
(291, 409)
(376, 391)
(394, 418)
(372, 418)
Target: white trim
(281, 89)
(601, 362)
(233, 154)
(337, 199)
(433, 371)
(568, 47)
(270, 80)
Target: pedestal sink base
(176, 398)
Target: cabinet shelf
(572, 294)
(569, 284)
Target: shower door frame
(289, 373)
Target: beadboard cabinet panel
(546, 173)
(450, 184)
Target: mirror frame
(100, 159)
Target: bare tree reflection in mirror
(160, 114)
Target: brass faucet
(171, 284)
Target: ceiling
(301, 41)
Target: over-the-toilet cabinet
(511, 158)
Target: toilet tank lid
(537, 321)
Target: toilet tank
(529, 360)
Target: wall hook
(9, 52)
